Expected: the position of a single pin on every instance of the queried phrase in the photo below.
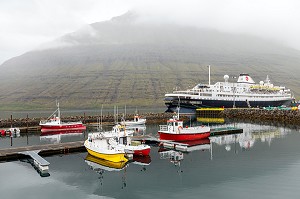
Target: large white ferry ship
(243, 93)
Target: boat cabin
(136, 118)
(174, 124)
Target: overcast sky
(26, 24)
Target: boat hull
(118, 157)
(67, 127)
(183, 137)
(142, 152)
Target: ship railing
(163, 127)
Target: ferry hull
(118, 157)
(182, 137)
(191, 105)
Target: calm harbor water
(262, 162)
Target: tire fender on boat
(179, 128)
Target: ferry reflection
(55, 137)
(211, 120)
(251, 134)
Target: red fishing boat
(54, 123)
(175, 131)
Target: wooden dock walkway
(48, 149)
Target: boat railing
(44, 121)
(163, 127)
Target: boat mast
(58, 111)
(178, 108)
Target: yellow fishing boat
(101, 148)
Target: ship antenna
(208, 75)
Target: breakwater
(262, 115)
(152, 118)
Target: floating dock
(225, 130)
(39, 162)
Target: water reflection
(251, 134)
(101, 166)
(211, 120)
(55, 137)
(138, 129)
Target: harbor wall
(262, 115)
(24, 122)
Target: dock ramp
(39, 162)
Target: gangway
(39, 162)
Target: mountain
(129, 61)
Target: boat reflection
(188, 146)
(99, 165)
(55, 137)
(173, 156)
(141, 160)
(138, 129)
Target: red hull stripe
(183, 137)
(63, 128)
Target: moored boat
(54, 123)
(121, 138)
(137, 120)
(175, 131)
(101, 148)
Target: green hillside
(123, 62)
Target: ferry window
(176, 124)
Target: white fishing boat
(137, 120)
(121, 138)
